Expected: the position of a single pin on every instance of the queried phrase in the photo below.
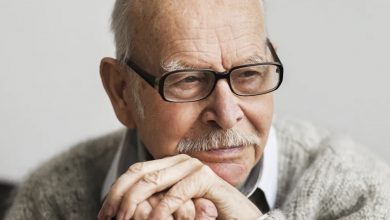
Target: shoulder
(329, 174)
(301, 133)
(298, 144)
(298, 138)
(71, 178)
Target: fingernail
(211, 211)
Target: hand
(187, 178)
(199, 209)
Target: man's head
(162, 36)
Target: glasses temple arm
(273, 52)
(149, 78)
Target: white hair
(218, 138)
(120, 26)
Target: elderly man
(193, 83)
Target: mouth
(220, 154)
(225, 149)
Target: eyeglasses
(190, 85)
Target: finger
(205, 209)
(206, 184)
(142, 211)
(193, 186)
(129, 178)
(186, 211)
(155, 182)
(155, 199)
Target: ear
(115, 81)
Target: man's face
(201, 34)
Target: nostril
(213, 124)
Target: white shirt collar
(267, 179)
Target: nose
(223, 109)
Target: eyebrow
(175, 65)
(255, 59)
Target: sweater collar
(264, 175)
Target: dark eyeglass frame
(158, 82)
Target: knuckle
(171, 202)
(186, 211)
(137, 167)
(167, 205)
(153, 178)
(144, 213)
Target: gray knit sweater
(320, 177)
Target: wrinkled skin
(202, 34)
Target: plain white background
(335, 55)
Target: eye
(250, 74)
(246, 75)
(190, 79)
(186, 80)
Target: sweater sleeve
(32, 202)
(276, 214)
(343, 181)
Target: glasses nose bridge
(221, 75)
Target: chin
(234, 174)
(233, 164)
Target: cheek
(259, 112)
(164, 125)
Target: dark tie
(258, 198)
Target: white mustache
(217, 139)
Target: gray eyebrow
(255, 59)
(174, 65)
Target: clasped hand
(177, 187)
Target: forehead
(200, 33)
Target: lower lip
(226, 150)
(233, 151)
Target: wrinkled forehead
(168, 29)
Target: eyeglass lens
(195, 85)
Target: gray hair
(121, 30)
(218, 138)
